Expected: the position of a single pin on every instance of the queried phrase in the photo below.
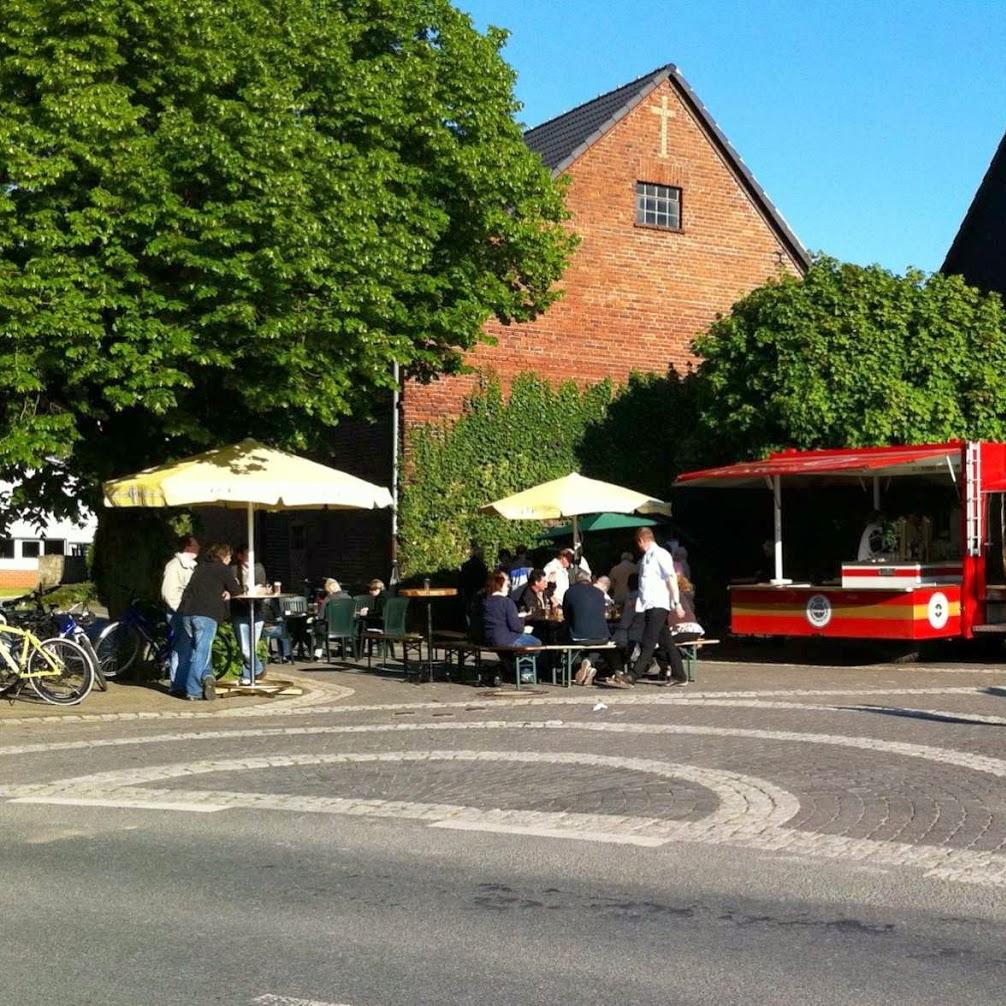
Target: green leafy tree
(223, 217)
(852, 356)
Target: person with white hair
(603, 584)
(619, 576)
(333, 591)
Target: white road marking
(540, 831)
(737, 700)
(274, 1000)
(974, 762)
(124, 802)
(750, 814)
(644, 696)
(757, 803)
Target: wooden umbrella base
(274, 688)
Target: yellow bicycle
(58, 670)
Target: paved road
(823, 838)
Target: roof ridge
(669, 68)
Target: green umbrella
(600, 522)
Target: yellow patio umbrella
(247, 476)
(243, 476)
(571, 496)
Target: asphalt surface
(820, 837)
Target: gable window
(55, 546)
(30, 549)
(6, 548)
(658, 206)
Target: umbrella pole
(250, 589)
(576, 533)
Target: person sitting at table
(583, 612)
(686, 628)
(275, 629)
(333, 591)
(373, 611)
(603, 584)
(531, 601)
(501, 624)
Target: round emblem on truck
(818, 610)
(938, 610)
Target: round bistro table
(429, 593)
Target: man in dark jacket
(531, 599)
(205, 604)
(583, 611)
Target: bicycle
(120, 642)
(45, 621)
(58, 670)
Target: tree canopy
(852, 356)
(220, 217)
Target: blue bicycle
(137, 635)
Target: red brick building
(673, 229)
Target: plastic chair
(340, 626)
(393, 631)
(293, 605)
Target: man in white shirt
(177, 573)
(658, 596)
(557, 574)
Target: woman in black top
(205, 603)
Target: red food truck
(908, 594)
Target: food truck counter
(931, 611)
(883, 574)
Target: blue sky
(870, 125)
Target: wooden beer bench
(525, 658)
(690, 653)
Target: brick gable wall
(635, 297)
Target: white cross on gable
(665, 116)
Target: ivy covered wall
(633, 435)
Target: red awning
(922, 459)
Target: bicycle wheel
(74, 675)
(100, 681)
(117, 648)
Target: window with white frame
(30, 549)
(658, 206)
